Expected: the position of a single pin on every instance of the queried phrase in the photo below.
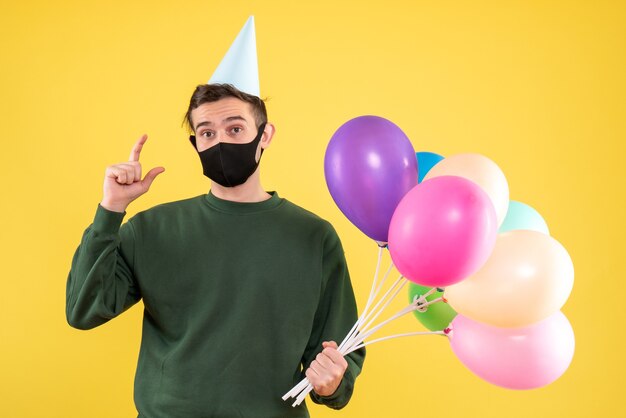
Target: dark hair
(207, 93)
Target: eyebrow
(228, 119)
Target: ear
(268, 134)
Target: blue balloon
(522, 216)
(426, 161)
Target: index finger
(334, 355)
(134, 153)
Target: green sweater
(238, 298)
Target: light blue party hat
(239, 66)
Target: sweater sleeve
(336, 314)
(101, 284)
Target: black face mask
(230, 164)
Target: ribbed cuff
(342, 395)
(107, 220)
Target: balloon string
(367, 315)
(398, 285)
(421, 305)
(358, 341)
(367, 332)
(302, 395)
(416, 305)
(296, 389)
(409, 334)
(378, 261)
(372, 296)
(430, 292)
(359, 332)
(367, 312)
(373, 293)
(302, 389)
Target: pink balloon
(442, 231)
(515, 358)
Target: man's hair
(207, 93)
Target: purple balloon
(370, 165)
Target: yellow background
(537, 86)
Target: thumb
(151, 175)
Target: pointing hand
(123, 182)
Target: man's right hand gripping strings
(123, 182)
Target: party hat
(239, 66)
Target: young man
(244, 292)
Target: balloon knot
(419, 301)
(444, 300)
(447, 331)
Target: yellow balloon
(527, 278)
(482, 171)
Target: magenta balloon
(515, 358)
(370, 165)
(442, 231)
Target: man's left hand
(327, 370)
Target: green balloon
(438, 315)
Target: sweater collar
(230, 206)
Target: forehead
(216, 112)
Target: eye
(236, 129)
(207, 134)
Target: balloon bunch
(509, 329)
(483, 270)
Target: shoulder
(296, 212)
(296, 217)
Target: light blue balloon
(426, 161)
(522, 216)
